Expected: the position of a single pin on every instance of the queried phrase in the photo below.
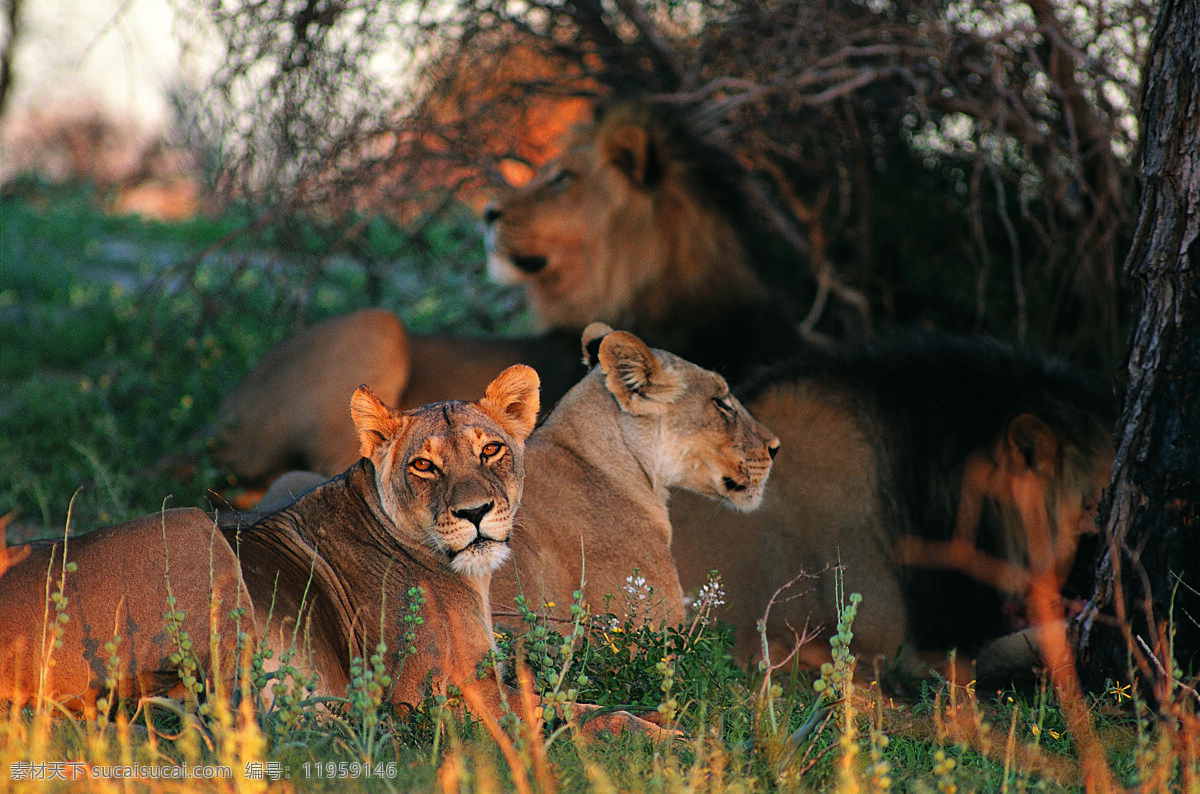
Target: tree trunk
(1146, 605)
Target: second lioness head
(681, 421)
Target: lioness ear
(634, 375)
(592, 335)
(631, 150)
(512, 399)
(376, 423)
(1031, 444)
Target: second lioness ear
(376, 423)
(513, 400)
(592, 335)
(634, 375)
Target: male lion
(638, 224)
(641, 225)
(126, 578)
(937, 474)
(599, 469)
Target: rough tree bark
(1146, 606)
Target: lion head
(450, 474)
(637, 225)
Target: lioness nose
(773, 448)
(491, 213)
(733, 485)
(474, 514)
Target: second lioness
(599, 469)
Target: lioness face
(459, 476)
(723, 451)
(707, 441)
(450, 475)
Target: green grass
(118, 339)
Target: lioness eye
(422, 464)
(724, 406)
(492, 449)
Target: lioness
(127, 577)
(598, 472)
(430, 505)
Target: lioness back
(126, 578)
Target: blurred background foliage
(966, 165)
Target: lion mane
(641, 224)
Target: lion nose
(474, 514)
(773, 448)
(491, 213)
